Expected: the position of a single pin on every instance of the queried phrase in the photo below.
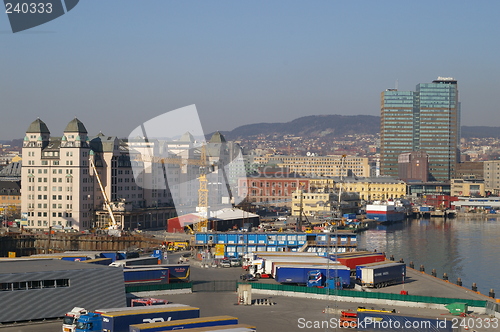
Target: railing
(369, 295)
(159, 287)
(215, 286)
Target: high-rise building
(427, 119)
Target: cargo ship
(387, 211)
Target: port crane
(114, 227)
(204, 166)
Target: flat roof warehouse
(46, 288)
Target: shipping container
(146, 276)
(109, 254)
(184, 324)
(353, 261)
(271, 262)
(387, 322)
(299, 274)
(358, 268)
(119, 321)
(330, 264)
(382, 275)
(176, 272)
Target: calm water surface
(468, 248)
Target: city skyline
(115, 65)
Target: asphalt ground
(418, 283)
(288, 313)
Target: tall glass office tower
(427, 119)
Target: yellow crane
(203, 188)
(203, 192)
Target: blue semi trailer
(177, 272)
(120, 321)
(146, 276)
(387, 322)
(312, 275)
(185, 324)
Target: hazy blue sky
(117, 63)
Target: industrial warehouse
(50, 287)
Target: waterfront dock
(423, 284)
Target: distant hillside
(334, 126)
(312, 126)
(480, 131)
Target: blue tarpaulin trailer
(120, 321)
(185, 324)
(146, 276)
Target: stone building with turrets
(60, 189)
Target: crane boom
(114, 225)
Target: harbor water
(463, 247)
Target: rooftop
(75, 126)
(44, 265)
(38, 126)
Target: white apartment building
(492, 176)
(319, 165)
(60, 189)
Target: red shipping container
(353, 261)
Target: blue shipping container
(120, 321)
(185, 324)
(300, 274)
(146, 276)
(176, 272)
(113, 255)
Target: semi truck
(185, 324)
(378, 321)
(312, 275)
(70, 319)
(120, 321)
(381, 275)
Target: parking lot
(286, 313)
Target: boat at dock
(386, 211)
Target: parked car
(225, 263)
(247, 277)
(235, 262)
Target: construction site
(25, 244)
